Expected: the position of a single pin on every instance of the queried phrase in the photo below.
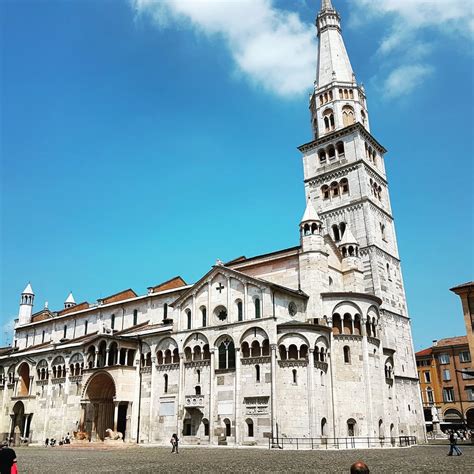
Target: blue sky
(141, 140)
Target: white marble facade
(311, 341)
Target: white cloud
(405, 79)
(411, 23)
(271, 47)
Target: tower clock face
(292, 309)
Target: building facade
(310, 341)
(446, 383)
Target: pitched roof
(451, 341)
(175, 282)
(121, 295)
(73, 309)
(463, 286)
(276, 253)
(424, 352)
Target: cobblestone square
(191, 459)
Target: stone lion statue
(80, 435)
(114, 435)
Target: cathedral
(309, 342)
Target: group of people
(53, 441)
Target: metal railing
(350, 442)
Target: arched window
(325, 191)
(42, 336)
(347, 355)
(336, 324)
(266, 347)
(165, 379)
(198, 373)
(351, 427)
(228, 431)
(389, 274)
(322, 156)
(86, 324)
(295, 376)
(331, 152)
(257, 373)
(257, 308)
(226, 354)
(364, 118)
(351, 94)
(381, 429)
(328, 120)
(324, 424)
(135, 317)
(204, 317)
(335, 188)
(165, 310)
(240, 311)
(335, 231)
(344, 185)
(112, 322)
(197, 390)
(340, 149)
(292, 352)
(64, 332)
(347, 115)
(249, 423)
(189, 318)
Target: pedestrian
(174, 442)
(7, 459)
(360, 467)
(452, 445)
(46, 442)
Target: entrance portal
(20, 423)
(100, 393)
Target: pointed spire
(310, 213)
(28, 290)
(70, 298)
(326, 5)
(348, 238)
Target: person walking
(7, 459)
(452, 445)
(174, 442)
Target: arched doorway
(99, 411)
(24, 380)
(20, 423)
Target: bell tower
(344, 176)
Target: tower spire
(326, 5)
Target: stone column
(181, 395)
(229, 311)
(25, 424)
(30, 387)
(83, 416)
(245, 301)
(96, 356)
(107, 355)
(368, 385)
(273, 397)
(237, 402)
(116, 410)
(154, 377)
(211, 396)
(311, 403)
(95, 417)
